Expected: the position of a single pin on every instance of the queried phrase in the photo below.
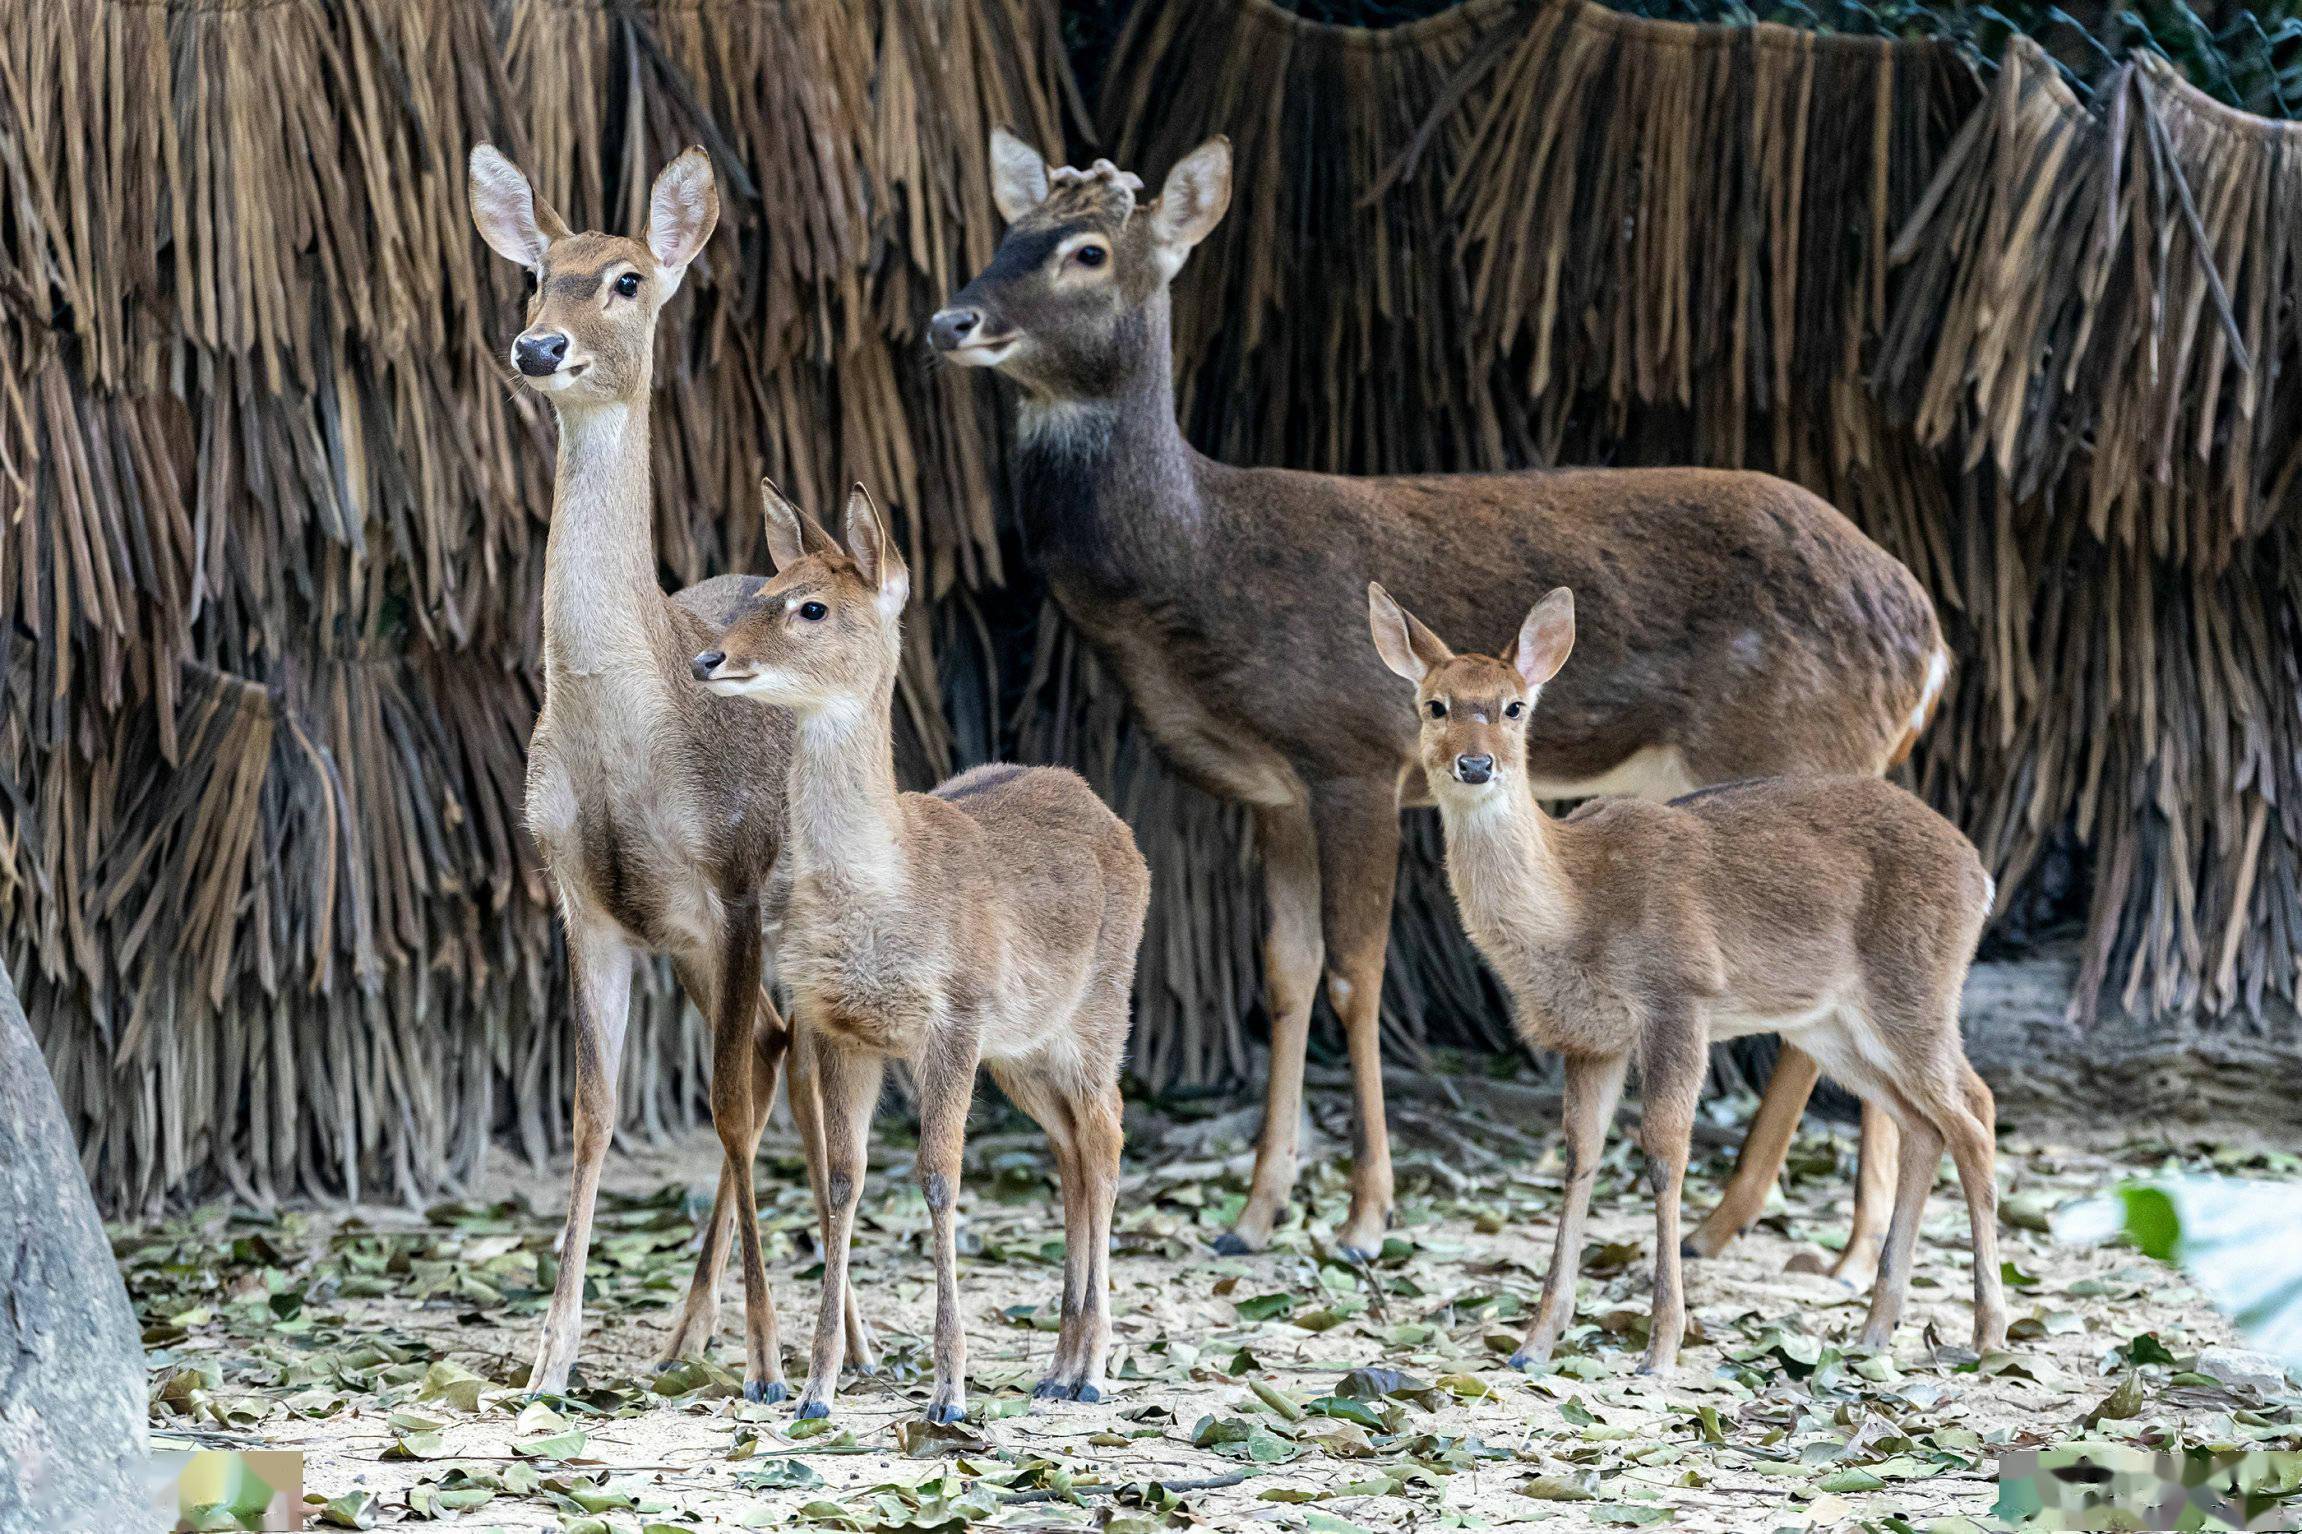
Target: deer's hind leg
(698, 1323)
(1045, 1106)
(735, 1066)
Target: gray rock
(2241, 1369)
(72, 1439)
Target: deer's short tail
(1929, 698)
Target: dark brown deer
(658, 809)
(993, 922)
(1839, 912)
(1743, 627)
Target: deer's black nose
(708, 662)
(1474, 769)
(952, 328)
(540, 355)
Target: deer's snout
(539, 354)
(706, 663)
(954, 327)
(1474, 767)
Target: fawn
(1228, 601)
(994, 920)
(1839, 912)
(658, 811)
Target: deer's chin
(562, 378)
(983, 354)
(759, 686)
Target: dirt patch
(385, 1345)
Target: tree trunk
(72, 1444)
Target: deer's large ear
(1407, 647)
(1545, 639)
(682, 211)
(1192, 201)
(1018, 175)
(792, 534)
(517, 224)
(873, 549)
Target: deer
(657, 812)
(992, 921)
(1839, 912)
(1746, 628)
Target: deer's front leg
(599, 974)
(807, 1118)
(1292, 949)
(1358, 825)
(1671, 1068)
(1593, 1087)
(946, 1083)
(848, 1082)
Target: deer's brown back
(1728, 615)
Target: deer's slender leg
(1921, 1158)
(1292, 950)
(698, 1323)
(599, 970)
(1874, 1180)
(1358, 825)
(1100, 1127)
(1764, 1148)
(1671, 1068)
(1594, 1085)
(946, 1085)
(1037, 1096)
(807, 1118)
(849, 1083)
(735, 1056)
(1971, 1121)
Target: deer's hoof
(1351, 1253)
(1052, 1389)
(1524, 1359)
(1088, 1393)
(1232, 1244)
(769, 1391)
(944, 1413)
(810, 1411)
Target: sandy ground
(385, 1347)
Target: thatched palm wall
(271, 520)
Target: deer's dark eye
(1091, 255)
(814, 612)
(1513, 711)
(1437, 707)
(628, 284)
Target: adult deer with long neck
(1839, 912)
(1744, 627)
(993, 921)
(658, 810)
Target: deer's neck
(603, 610)
(1504, 866)
(846, 813)
(1109, 488)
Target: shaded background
(271, 516)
